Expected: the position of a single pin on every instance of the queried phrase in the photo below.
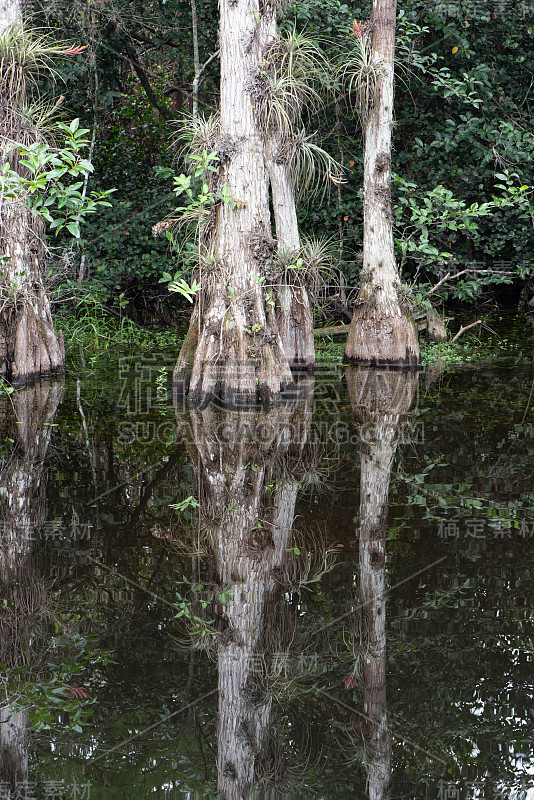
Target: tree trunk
(10, 14)
(293, 311)
(233, 352)
(14, 749)
(28, 344)
(435, 330)
(381, 331)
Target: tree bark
(196, 58)
(10, 14)
(381, 332)
(13, 749)
(29, 346)
(235, 355)
(293, 310)
(436, 330)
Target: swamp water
(333, 598)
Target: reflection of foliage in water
(451, 659)
(56, 691)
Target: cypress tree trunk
(10, 13)
(380, 332)
(233, 352)
(29, 346)
(293, 310)
(14, 749)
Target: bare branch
(463, 272)
(145, 83)
(466, 328)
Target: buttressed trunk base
(234, 358)
(382, 335)
(29, 347)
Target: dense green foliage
(463, 141)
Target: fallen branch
(421, 321)
(467, 327)
(454, 275)
(332, 330)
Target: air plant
(284, 773)
(24, 54)
(196, 134)
(284, 86)
(37, 118)
(361, 70)
(354, 746)
(312, 170)
(314, 560)
(319, 254)
(311, 266)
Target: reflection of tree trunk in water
(235, 455)
(379, 398)
(13, 747)
(22, 511)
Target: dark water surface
(347, 613)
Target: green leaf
(74, 229)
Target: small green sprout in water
(161, 384)
(5, 387)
